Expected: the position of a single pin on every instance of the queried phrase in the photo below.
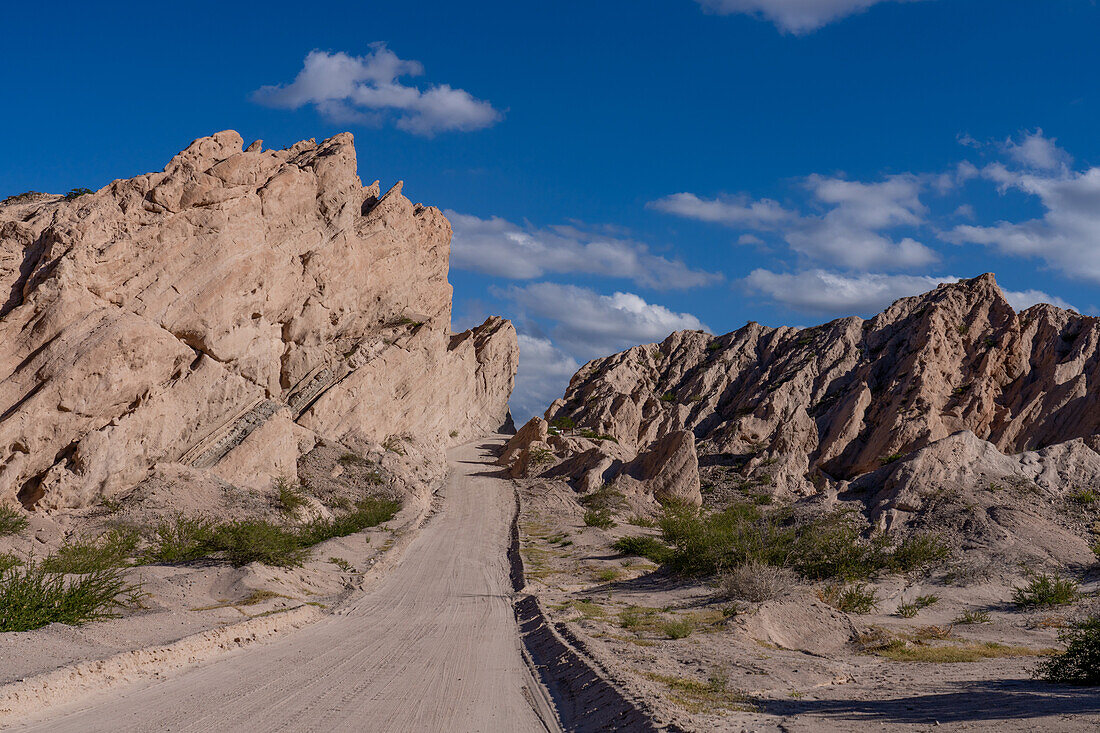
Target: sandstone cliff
(228, 314)
(802, 412)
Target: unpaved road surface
(432, 647)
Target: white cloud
(1066, 237)
(851, 232)
(793, 16)
(544, 373)
(1024, 299)
(587, 324)
(731, 211)
(835, 294)
(498, 247)
(363, 89)
(1034, 150)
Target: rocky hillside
(805, 412)
(225, 316)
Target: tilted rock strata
(225, 313)
(835, 401)
(949, 412)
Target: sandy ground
(432, 646)
(793, 664)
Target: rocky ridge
(220, 319)
(951, 389)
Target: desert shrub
(11, 520)
(650, 548)
(593, 435)
(1045, 591)
(1079, 664)
(367, 513)
(668, 397)
(600, 518)
(564, 423)
(9, 561)
(918, 551)
(849, 598)
(678, 629)
(75, 193)
(605, 497)
(289, 497)
(76, 558)
(887, 460)
(453, 433)
(909, 610)
(353, 459)
(639, 521)
(180, 539)
(343, 564)
(755, 582)
(258, 540)
(900, 651)
(831, 546)
(1084, 497)
(31, 597)
(636, 618)
(393, 444)
(968, 618)
(541, 456)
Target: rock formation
(227, 314)
(803, 412)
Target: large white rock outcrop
(226, 313)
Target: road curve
(432, 647)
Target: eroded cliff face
(228, 313)
(801, 412)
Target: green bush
(259, 540)
(76, 193)
(909, 610)
(593, 435)
(290, 497)
(968, 618)
(678, 629)
(1045, 591)
(668, 397)
(75, 558)
(541, 456)
(367, 513)
(918, 551)
(1084, 497)
(11, 520)
(605, 497)
(31, 597)
(820, 548)
(600, 518)
(180, 539)
(564, 423)
(9, 561)
(650, 548)
(1079, 664)
(849, 598)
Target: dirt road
(433, 647)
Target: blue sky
(620, 169)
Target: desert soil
(791, 664)
(432, 646)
